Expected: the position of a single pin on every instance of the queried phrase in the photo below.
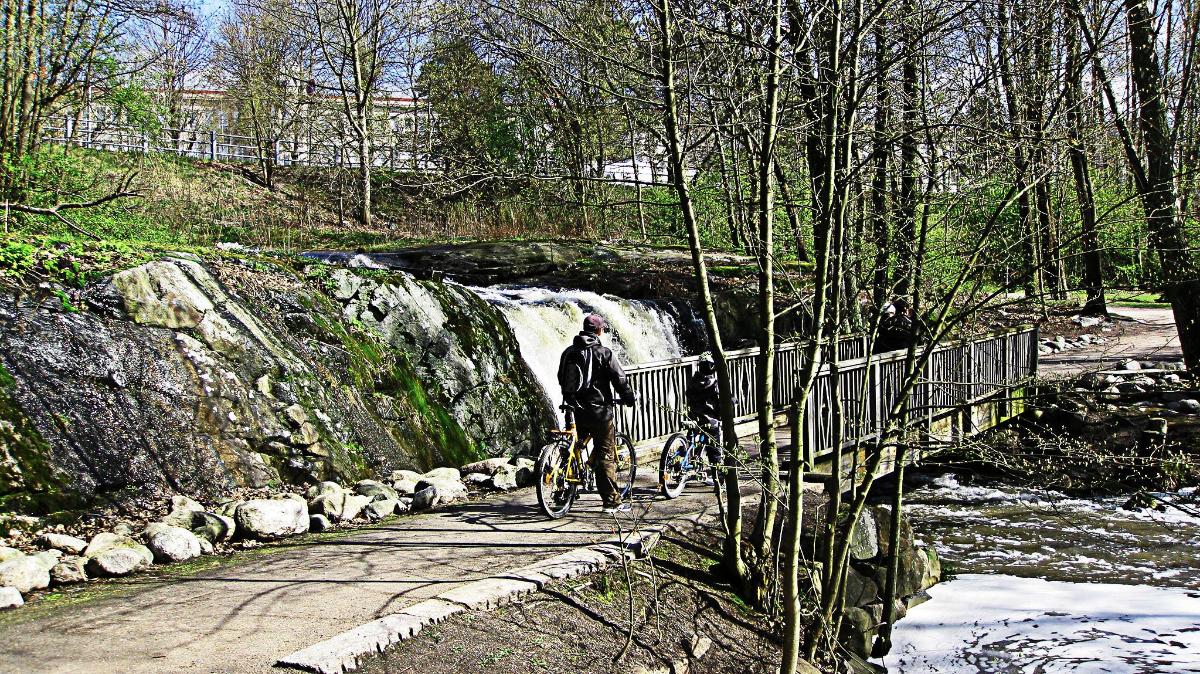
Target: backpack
(575, 374)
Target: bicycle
(684, 457)
(563, 469)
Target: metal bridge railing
(957, 374)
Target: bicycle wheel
(674, 466)
(626, 466)
(555, 494)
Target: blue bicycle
(685, 458)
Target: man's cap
(594, 323)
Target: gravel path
(1149, 334)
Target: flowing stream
(545, 321)
(1047, 583)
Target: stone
(171, 544)
(212, 527)
(424, 499)
(864, 543)
(63, 542)
(477, 481)
(318, 523)
(296, 415)
(7, 553)
(933, 569)
(1131, 366)
(68, 571)
(859, 627)
(1144, 381)
(526, 472)
(403, 505)
(344, 284)
(10, 597)
(377, 510)
(159, 294)
(883, 525)
(106, 540)
(444, 473)
(118, 561)
(398, 475)
(1129, 387)
(447, 489)
(1172, 379)
(487, 466)
(860, 590)
(324, 489)
(1188, 406)
(375, 490)
(271, 519)
(698, 646)
(306, 435)
(405, 487)
(505, 479)
(25, 573)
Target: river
(1045, 583)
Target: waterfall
(545, 321)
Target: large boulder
(406, 475)
(106, 540)
(271, 519)
(447, 489)
(25, 573)
(864, 544)
(324, 489)
(7, 553)
(10, 597)
(68, 544)
(444, 473)
(487, 466)
(424, 499)
(526, 472)
(182, 512)
(860, 590)
(375, 490)
(505, 478)
(883, 527)
(377, 510)
(69, 570)
(319, 523)
(339, 505)
(859, 627)
(171, 544)
(212, 527)
(119, 561)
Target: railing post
(212, 145)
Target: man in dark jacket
(704, 405)
(589, 373)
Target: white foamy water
(545, 321)
(997, 623)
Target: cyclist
(589, 373)
(704, 406)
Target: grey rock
(698, 646)
(171, 544)
(406, 487)
(69, 570)
(1129, 387)
(403, 505)
(324, 489)
(444, 473)
(1131, 366)
(375, 490)
(7, 553)
(318, 523)
(526, 472)
(864, 544)
(412, 475)
(448, 490)
(206, 547)
(1188, 406)
(271, 519)
(860, 590)
(106, 540)
(63, 542)
(118, 561)
(859, 627)
(477, 481)
(10, 597)
(505, 479)
(1172, 379)
(487, 466)
(377, 510)
(212, 527)
(933, 569)
(25, 574)
(424, 499)
(159, 294)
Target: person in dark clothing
(589, 374)
(897, 327)
(704, 405)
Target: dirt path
(1149, 335)
(242, 617)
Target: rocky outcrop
(190, 377)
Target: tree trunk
(1093, 274)
(1180, 275)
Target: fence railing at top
(956, 374)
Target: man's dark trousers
(604, 455)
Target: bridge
(964, 388)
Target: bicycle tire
(626, 455)
(555, 495)
(672, 476)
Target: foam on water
(997, 623)
(545, 321)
